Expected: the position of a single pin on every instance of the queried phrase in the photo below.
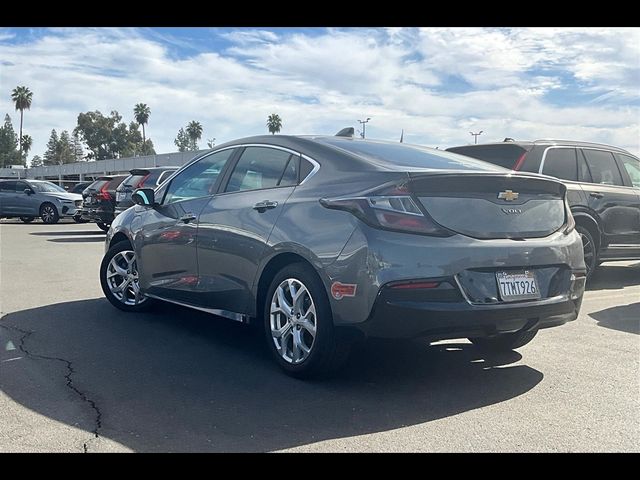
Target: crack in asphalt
(70, 385)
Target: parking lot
(78, 375)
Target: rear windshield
(410, 156)
(98, 184)
(132, 181)
(503, 155)
(115, 182)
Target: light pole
(363, 123)
(476, 135)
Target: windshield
(47, 187)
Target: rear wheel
(504, 341)
(27, 219)
(103, 226)
(79, 219)
(49, 213)
(590, 250)
(119, 279)
(299, 325)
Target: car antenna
(346, 132)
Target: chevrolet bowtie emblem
(508, 195)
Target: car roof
(145, 171)
(547, 141)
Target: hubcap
(589, 252)
(122, 278)
(293, 320)
(48, 214)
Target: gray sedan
(324, 241)
(28, 199)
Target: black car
(99, 201)
(79, 187)
(603, 184)
(140, 178)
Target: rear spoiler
(139, 171)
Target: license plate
(120, 196)
(518, 285)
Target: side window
(20, 186)
(561, 163)
(584, 175)
(632, 166)
(603, 167)
(306, 168)
(199, 179)
(8, 187)
(262, 167)
(163, 176)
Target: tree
(211, 142)
(107, 137)
(65, 149)
(21, 96)
(194, 131)
(51, 153)
(27, 142)
(9, 154)
(36, 161)
(182, 140)
(141, 111)
(274, 123)
(76, 146)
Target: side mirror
(144, 196)
(28, 191)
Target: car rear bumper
(396, 317)
(96, 215)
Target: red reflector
(417, 285)
(339, 290)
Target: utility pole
(363, 123)
(476, 135)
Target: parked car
(79, 187)
(28, 199)
(99, 201)
(140, 178)
(326, 240)
(603, 185)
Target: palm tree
(141, 111)
(194, 130)
(27, 142)
(274, 123)
(21, 96)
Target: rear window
(98, 184)
(132, 181)
(410, 156)
(503, 155)
(113, 184)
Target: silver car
(28, 199)
(324, 241)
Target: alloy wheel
(48, 214)
(589, 252)
(122, 278)
(293, 321)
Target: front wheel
(299, 324)
(119, 279)
(504, 341)
(49, 213)
(590, 251)
(27, 219)
(103, 226)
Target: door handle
(596, 195)
(265, 205)
(187, 217)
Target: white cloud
(322, 82)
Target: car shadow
(69, 232)
(614, 277)
(625, 318)
(175, 379)
(76, 240)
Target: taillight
(141, 182)
(520, 161)
(103, 194)
(570, 223)
(388, 210)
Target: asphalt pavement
(78, 375)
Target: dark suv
(139, 178)
(99, 200)
(603, 184)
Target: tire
(590, 250)
(504, 341)
(49, 213)
(79, 219)
(126, 301)
(327, 350)
(27, 219)
(103, 226)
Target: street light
(476, 135)
(363, 123)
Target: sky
(436, 84)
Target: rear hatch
(128, 185)
(89, 194)
(490, 205)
